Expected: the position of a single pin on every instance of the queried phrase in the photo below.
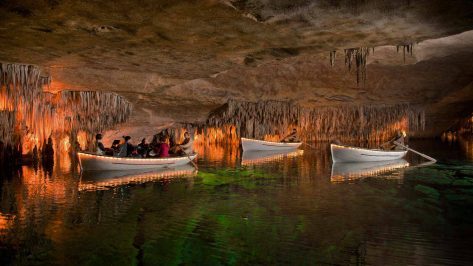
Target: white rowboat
(91, 161)
(261, 145)
(354, 154)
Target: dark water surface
(250, 209)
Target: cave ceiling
(178, 60)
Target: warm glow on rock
(33, 115)
(6, 222)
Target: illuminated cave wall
(465, 126)
(29, 116)
(272, 120)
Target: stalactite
(91, 111)
(20, 93)
(29, 116)
(405, 48)
(333, 55)
(263, 119)
(358, 56)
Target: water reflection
(218, 154)
(351, 171)
(466, 144)
(99, 180)
(260, 157)
(269, 209)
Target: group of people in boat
(161, 146)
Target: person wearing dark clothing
(126, 149)
(129, 148)
(172, 141)
(115, 148)
(162, 149)
(142, 148)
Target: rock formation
(29, 116)
(268, 119)
(176, 61)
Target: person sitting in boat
(115, 148)
(184, 147)
(142, 148)
(291, 137)
(163, 133)
(126, 149)
(99, 147)
(186, 144)
(152, 146)
(399, 138)
(172, 140)
(163, 147)
(337, 142)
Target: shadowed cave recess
(336, 70)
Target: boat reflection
(259, 157)
(102, 180)
(351, 171)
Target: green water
(285, 209)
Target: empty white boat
(354, 154)
(91, 161)
(262, 145)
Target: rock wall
(175, 61)
(274, 119)
(29, 116)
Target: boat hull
(353, 154)
(91, 161)
(261, 145)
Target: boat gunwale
(273, 142)
(366, 149)
(192, 156)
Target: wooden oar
(308, 145)
(416, 152)
(188, 156)
(80, 163)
